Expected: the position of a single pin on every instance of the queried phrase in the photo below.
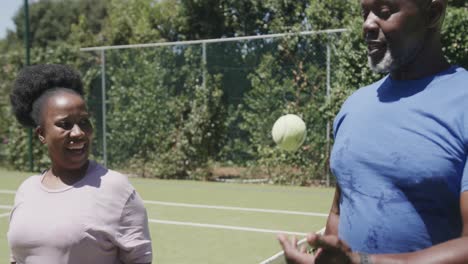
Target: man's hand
(331, 250)
(292, 254)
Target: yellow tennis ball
(289, 132)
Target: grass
(174, 244)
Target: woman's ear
(40, 134)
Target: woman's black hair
(33, 82)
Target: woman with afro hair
(77, 211)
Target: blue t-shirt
(399, 157)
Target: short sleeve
(464, 181)
(133, 236)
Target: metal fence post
(328, 121)
(28, 62)
(204, 64)
(103, 92)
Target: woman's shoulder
(29, 186)
(31, 182)
(111, 187)
(110, 180)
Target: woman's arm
(133, 232)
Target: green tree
(51, 20)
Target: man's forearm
(333, 220)
(331, 227)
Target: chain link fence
(204, 109)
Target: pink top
(100, 219)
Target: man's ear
(436, 13)
(40, 134)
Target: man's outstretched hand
(330, 250)
(293, 254)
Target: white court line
(232, 208)
(236, 208)
(6, 207)
(7, 191)
(4, 215)
(279, 257)
(238, 228)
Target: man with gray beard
(400, 151)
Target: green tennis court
(205, 222)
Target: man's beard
(391, 62)
(384, 65)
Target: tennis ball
(289, 132)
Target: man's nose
(76, 131)
(370, 27)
